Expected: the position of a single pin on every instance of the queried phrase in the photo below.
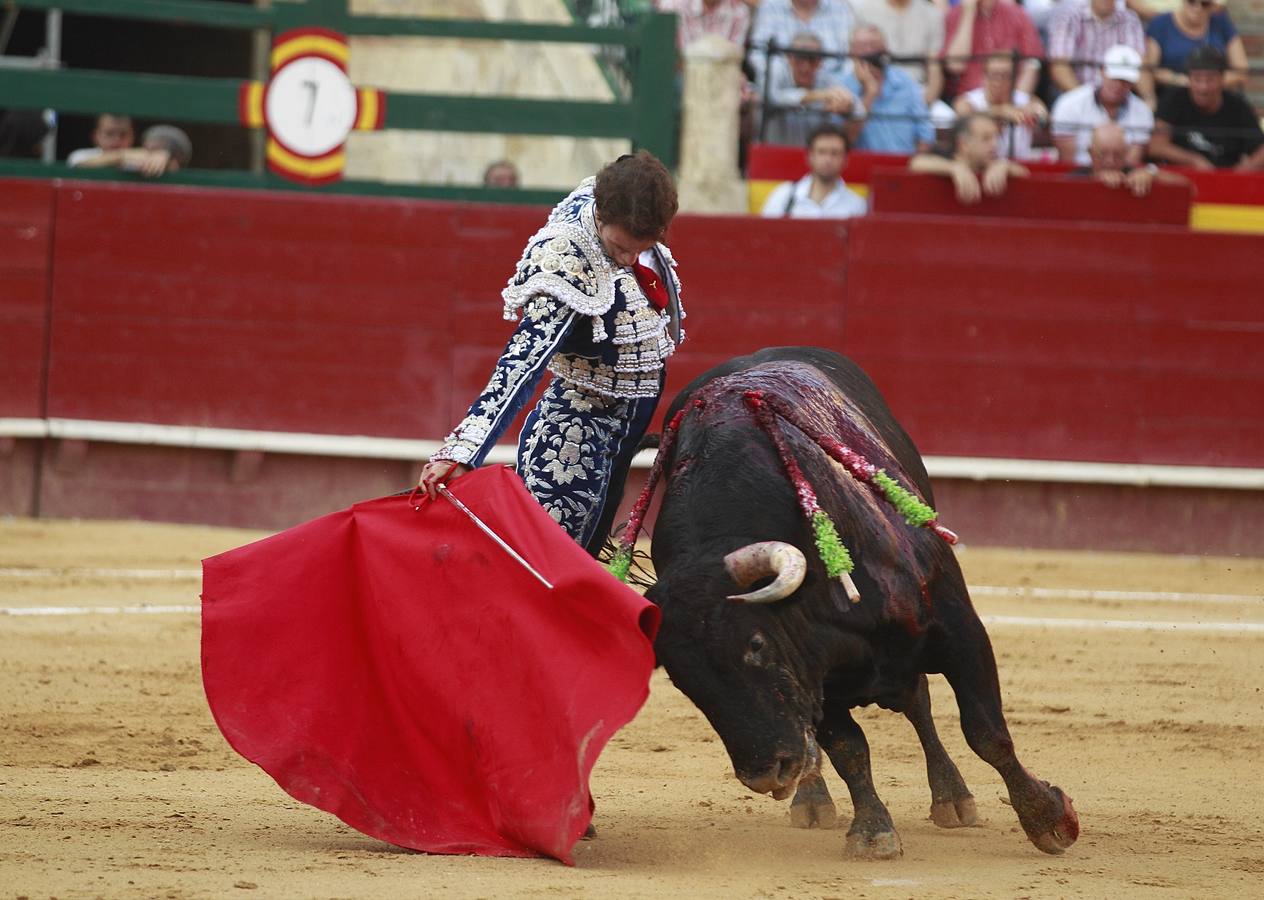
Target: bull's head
(745, 658)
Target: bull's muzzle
(776, 559)
(782, 778)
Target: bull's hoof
(1064, 833)
(812, 806)
(589, 833)
(954, 813)
(880, 845)
(812, 814)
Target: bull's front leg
(812, 806)
(872, 833)
(1044, 811)
(952, 804)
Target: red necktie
(652, 284)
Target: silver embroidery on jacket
(564, 271)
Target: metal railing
(770, 110)
(646, 116)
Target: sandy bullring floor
(114, 781)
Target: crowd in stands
(1014, 82)
(163, 148)
(905, 76)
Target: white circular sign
(310, 106)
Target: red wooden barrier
(26, 217)
(1002, 338)
(770, 162)
(1040, 197)
(274, 311)
(292, 313)
(1079, 342)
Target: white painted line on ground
(988, 590)
(1123, 624)
(120, 574)
(978, 590)
(1021, 621)
(94, 610)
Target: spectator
(501, 174)
(913, 31)
(111, 133)
(1080, 34)
(1078, 111)
(896, 117)
(780, 20)
(22, 132)
(974, 167)
(1112, 163)
(978, 28)
(802, 96)
(1019, 111)
(1171, 37)
(822, 193)
(1204, 125)
(163, 149)
(729, 19)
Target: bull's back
(842, 374)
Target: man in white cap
(1077, 112)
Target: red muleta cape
(398, 669)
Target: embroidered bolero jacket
(582, 317)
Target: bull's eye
(756, 644)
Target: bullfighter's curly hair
(636, 193)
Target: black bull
(778, 679)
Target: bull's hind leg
(952, 804)
(965, 655)
(812, 806)
(872, 833)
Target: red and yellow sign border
(289, 46)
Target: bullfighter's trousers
(574, 453)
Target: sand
(114, 781)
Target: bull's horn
(748, 564)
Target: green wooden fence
(646, 118)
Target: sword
(451, 498)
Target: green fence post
(654, 87)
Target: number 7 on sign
(309, 106)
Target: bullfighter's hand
(965, 183)
(995, 177)
(437, 472)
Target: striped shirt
(1006, 28)
(831, 21)
(729, 19)
(1076, 34)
